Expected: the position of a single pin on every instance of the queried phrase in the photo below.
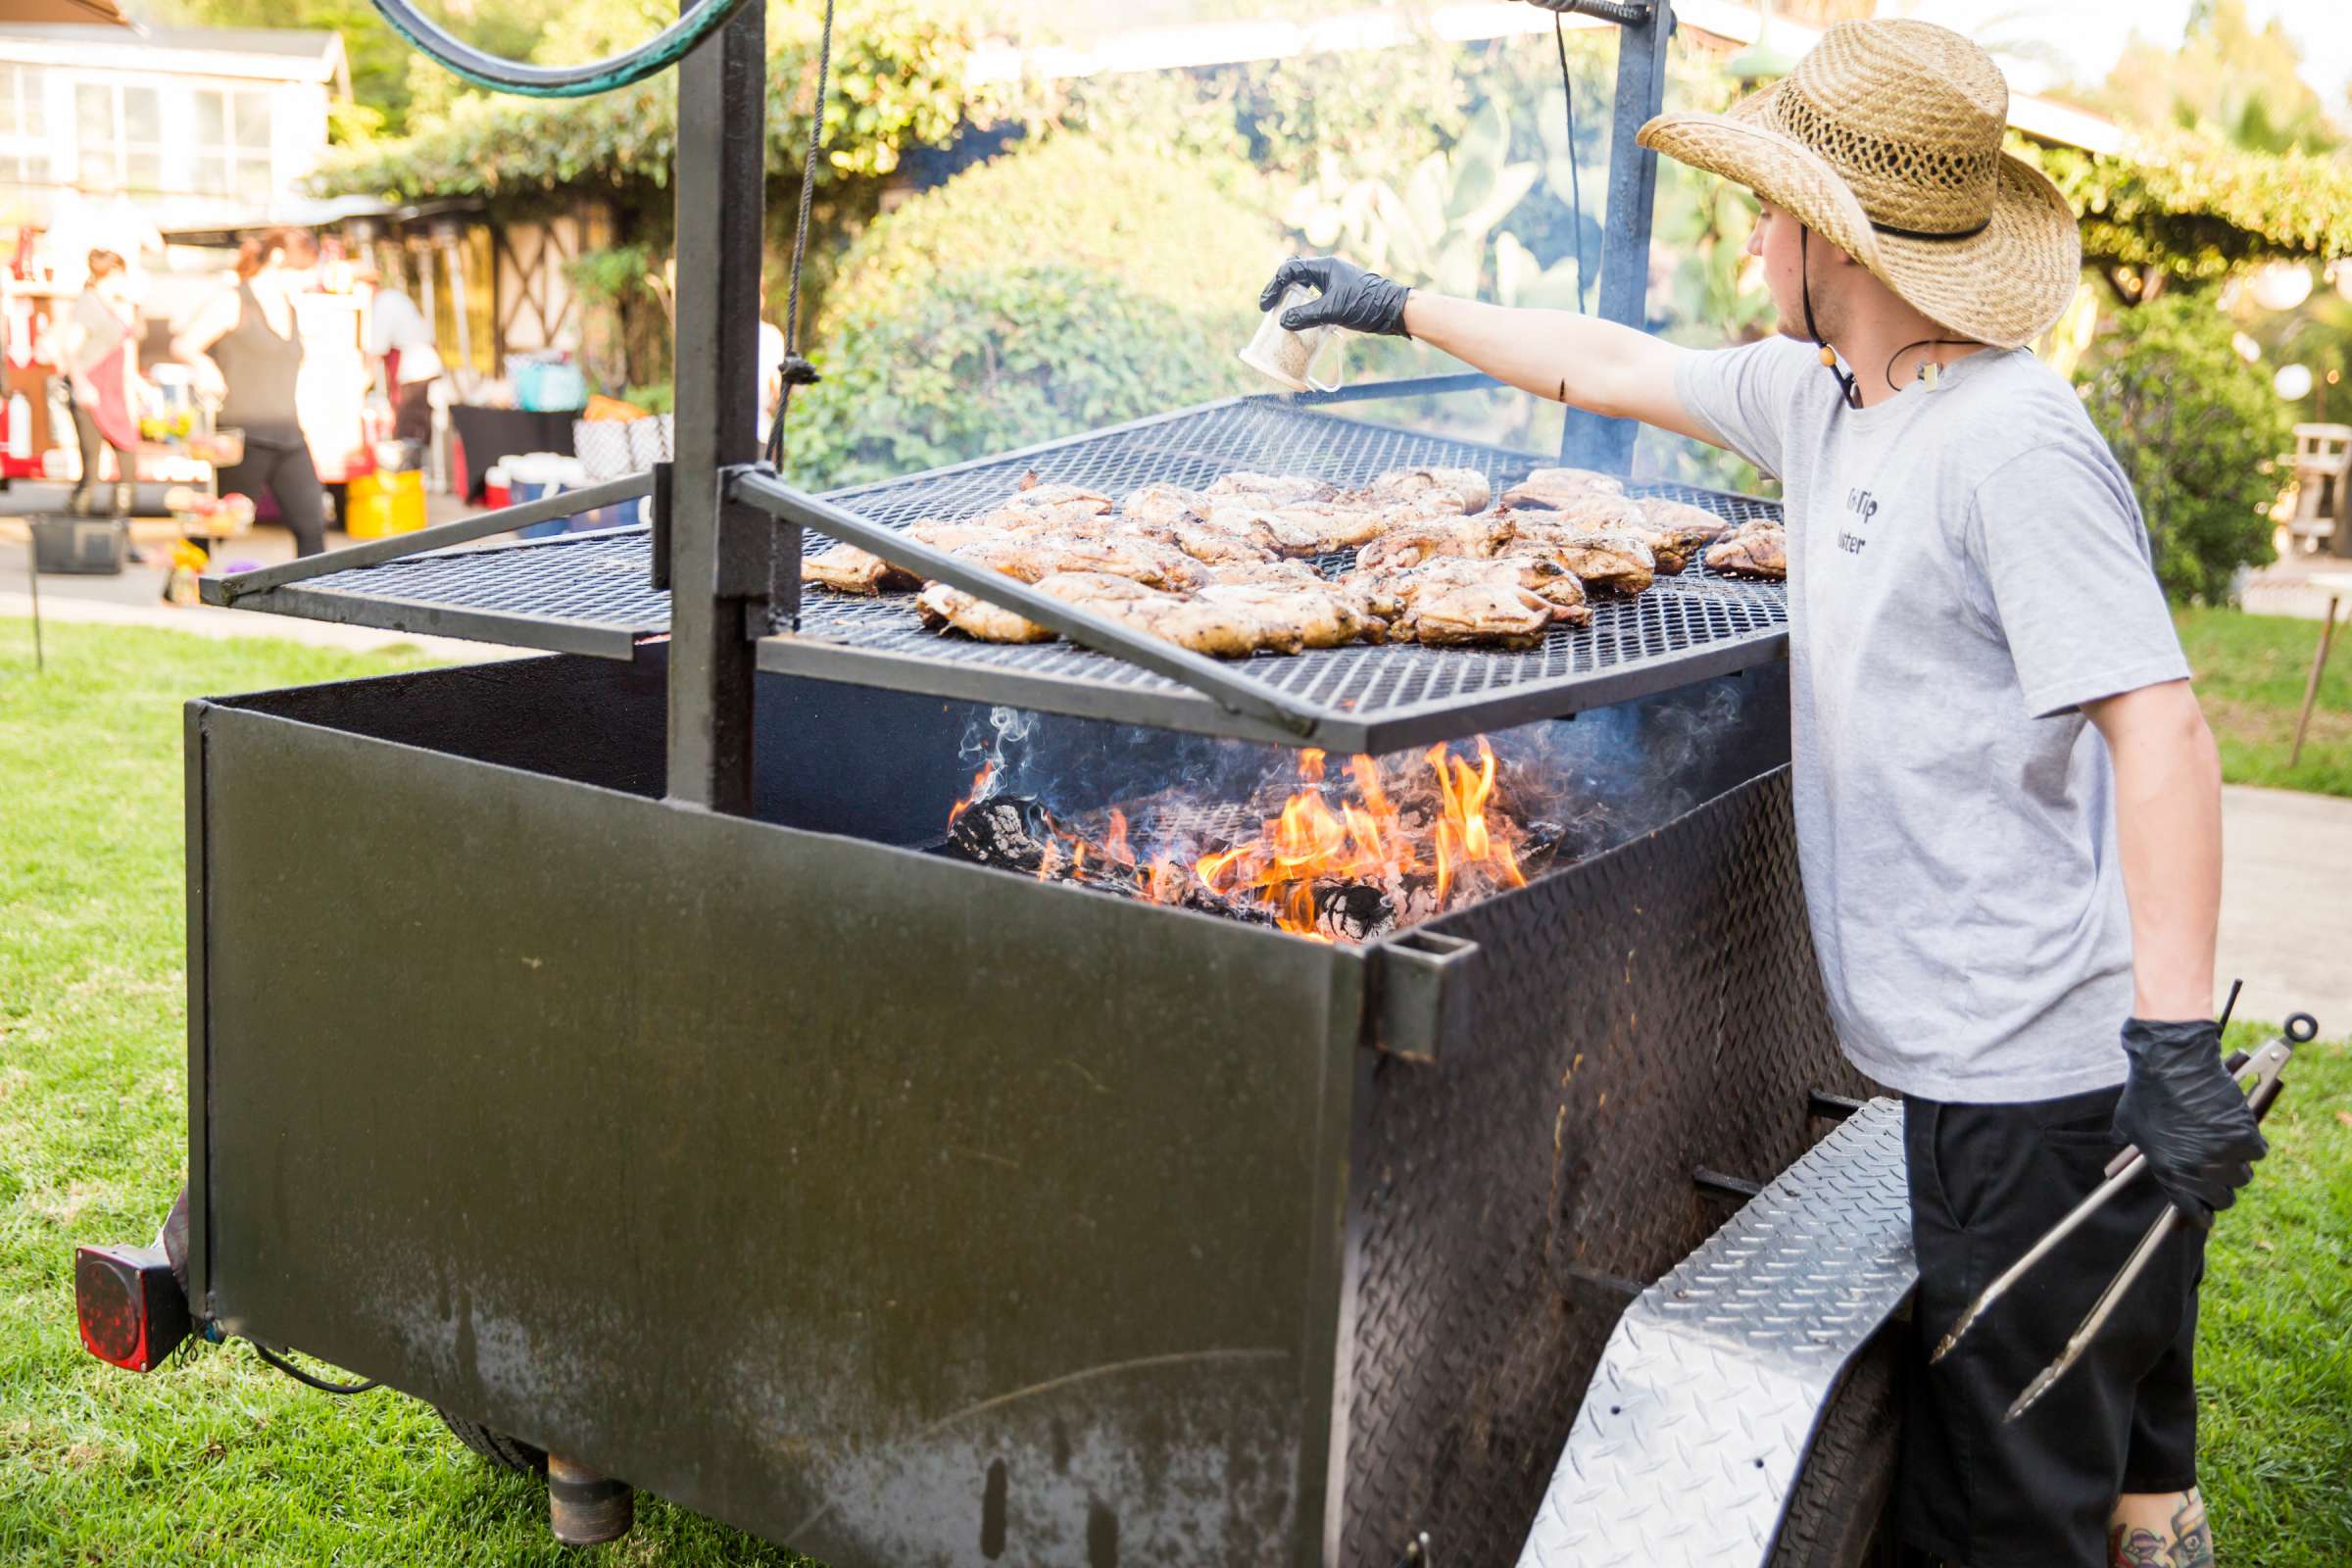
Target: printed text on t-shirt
(1865, 505)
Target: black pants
(92, 442)
(413, 414)
(1976, 1491)
(284, 470)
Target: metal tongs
(2262, 1071)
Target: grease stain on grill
(1102, 1536)
(992, 1513)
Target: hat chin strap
(1849, 392)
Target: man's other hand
(2195, 1128)
(1352, 298)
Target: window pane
(212, 173)
(252, 120)
(9, 97)
(97, 169)
(31, 88)
(142, 114)
(212, 120)
(94, 114)
(253, 180)
(143, 169)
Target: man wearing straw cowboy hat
(2007, 802)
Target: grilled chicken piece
(1320, 528)
(1227, 630)
(1409, 543)
(1162, 506)
(847, 569)
(1606, 562)
(955, 535)
(1481, 613)
(1320, 616)
(1553, 488)
(1033, 496)
(1270, 490)
(1216, 547)
(1128, 555)
(1679, 518)
(940, 606)
(1273, 571)
(1463, 490)
(1391, 594)
(1588, 512)
(1014, 555)
(1759, 550)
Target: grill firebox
(891, 1207)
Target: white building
(211, 125)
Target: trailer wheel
(508, 1454)
(1838, 1514)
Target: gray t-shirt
(1966, 564)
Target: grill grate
(1360, 697)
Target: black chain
(798, 372)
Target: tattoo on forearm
(1563, 389)
(2193, 1537)
(2189, 1543)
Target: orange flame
(980, 781)
(1423, 830)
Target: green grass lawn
(220, 1461)
(2250, 673)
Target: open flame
(1415, 857)
(1384, 843)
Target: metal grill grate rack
(588, 593)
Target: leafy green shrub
(2195, 427)
(1183, 231)
(987, 359)
(1050, 290)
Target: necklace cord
(1851, 393)
(1922, 343)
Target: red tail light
(132, 1312)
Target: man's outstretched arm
(1577, 359)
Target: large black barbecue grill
(599, 1048)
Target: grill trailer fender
(1695, 1432)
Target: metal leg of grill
(584, 1507)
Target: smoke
(1604, 776)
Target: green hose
(657, 52)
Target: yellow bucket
(383, 503)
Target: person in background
(401, 341)
(771, 376)
(245, 347)
(99, 349)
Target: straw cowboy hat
(1886, 140)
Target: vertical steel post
(722, 142)
(1589, 440)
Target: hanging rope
(1575, 193)
(798, 372)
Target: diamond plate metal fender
(1698, 1421)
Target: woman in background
(99, 347)
(246, 350)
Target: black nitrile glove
(1352, 298)
(2188, 1118)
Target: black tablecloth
(490, 435)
